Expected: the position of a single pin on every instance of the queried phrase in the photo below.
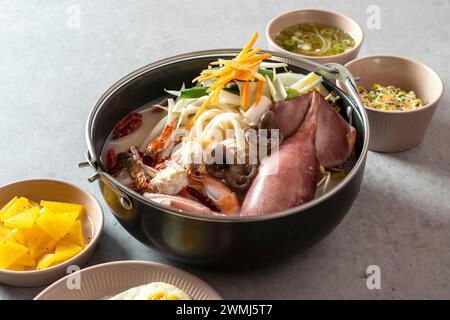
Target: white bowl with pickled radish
(48, 228)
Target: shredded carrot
(245, 95)
(215, 74)
(216, 94)
(259, 91)
(255, 65)
(243, 68)
(256, 58)
(199, 112)
(222, 82)
(249, 45)
(249, 54)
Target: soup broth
(315, 40)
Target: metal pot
(220, 242)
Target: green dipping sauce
(313, 39)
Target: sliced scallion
(266, 72)
(191, 93)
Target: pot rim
(299, 62)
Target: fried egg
(153, 291)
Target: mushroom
(219, 154)
(216, 170)
(239, 176)
(267, 121)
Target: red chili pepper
(113, 165)
(111, 159)
(128, 125)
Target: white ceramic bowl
(54, 190)
(395, 131)
(108, 279)
(277, 24)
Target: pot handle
(334, 71)
(124, 199)
(90, 163)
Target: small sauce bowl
(279, 23)
(395, 131)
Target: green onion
(195, 92)
(292, 93)
(266, 72)
(234, 88)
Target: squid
(335, 138)
(288, 177)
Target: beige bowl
(54, 190)
(277, 24)
(105, 280)
(395, 131)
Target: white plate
(106, 280)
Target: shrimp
(220, 194)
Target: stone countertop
(54, 70)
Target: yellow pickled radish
(34, 204)
(7, 206)
(34, 237)
(38, 241)
(6, 234)
(75, 234)
(46, 261)
(66, 250)
(24, 219)
(56, 225)
(17, 268)
(62, 207)
(19, 236)
(10, 252)
(18, 206)
(26, 260)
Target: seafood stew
(224, 146)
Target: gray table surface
(51, 75)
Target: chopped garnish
(308, 83)
(389, 98)
(195, 92)
(266, 72)
(292, 93)
(242, 68)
